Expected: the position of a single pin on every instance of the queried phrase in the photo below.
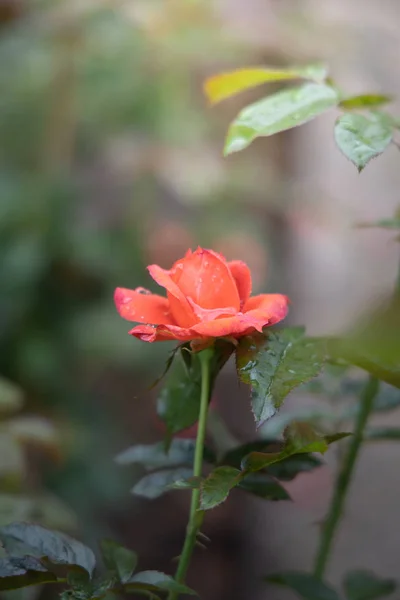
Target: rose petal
(135, 305)
(204, 276)
(229, 326)
(179, 306)
(163, 333)
(270, 308)
(242, 276)
(210, 314)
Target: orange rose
(207, 297)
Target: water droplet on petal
(142, 290)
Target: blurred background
(111, 160)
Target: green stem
(397, 288)
(344, 478)
(196, 516)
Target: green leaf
(278, 112)
(305, 585)
(264, 486)
(156, 484)
(118, 559)
(57, 547)
(225, 85)
(288, 468)
(79, 580)
(336, 437)
(364, 585)
(216, 487)
(155, 456)
(382, 433)
(105, 587)
(234, 457)
(299, 438)
(276, 363)
(361, 138)
(154, 581)
(20, 572)
(373, 344)
(365, 101)
(179, 401)
(11, 399)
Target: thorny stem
(196, 516)
(335, 512)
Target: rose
(207, 297)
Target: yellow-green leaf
(225, 85)
(365, 101)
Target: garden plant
(208, 309)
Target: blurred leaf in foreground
(374, 344)
(305, 585)
(365, 585)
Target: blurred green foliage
(21, 499)
(106, 165)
